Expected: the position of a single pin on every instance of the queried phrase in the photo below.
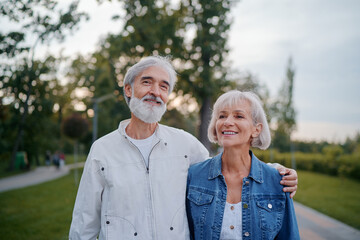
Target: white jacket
(119, 198)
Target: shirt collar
(255, 171)
(123, 124)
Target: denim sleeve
(289, 228)
(188, 213)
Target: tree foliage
(283, 111)
(75, 126)
(24, 80)
(194, 33)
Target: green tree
(284, 112)
(39, 20)
(205, 76)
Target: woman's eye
(221, 116)
(239, 116)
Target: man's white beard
(146, 112)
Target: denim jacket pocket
(271, 212)
(199, 198)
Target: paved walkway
(39, 175)
(312, 224)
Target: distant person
(134, 180)
(61, 159)
(56, 159)
(47, 158)
(234, 195)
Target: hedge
(344, 165)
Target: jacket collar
(255, 171)
(123, 124)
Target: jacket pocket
(271, 212)
(199, 198)
(120, 228)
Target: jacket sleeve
(289, 228)
(87, 210)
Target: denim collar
(255, 171)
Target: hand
(290, 180)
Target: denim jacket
(267, 212)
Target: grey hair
(159, 61)
(232, 98)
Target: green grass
(38, 212)
(333, 196)
(44, 211)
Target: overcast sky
(322, 37)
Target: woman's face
(234, 126)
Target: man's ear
(128, 91)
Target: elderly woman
(235, 195)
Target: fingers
(292, 194)
(283, 170)
(291, 174)
(291, 190)
(289, 183)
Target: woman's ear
(257, 130)
(128, 91)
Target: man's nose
(155, 90)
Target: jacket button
(270, 206)
(245, 205)
(102, 169)
(135, 234)
(171, 228)
(107, 222)
(247, 234)
(247, 183)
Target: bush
(335, 164)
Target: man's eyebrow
(146, 77)
(166, 82)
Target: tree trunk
(205, 115)
(21, 128)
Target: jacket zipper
(149, 184)
(150, 188)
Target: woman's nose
(229, 121)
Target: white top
(231, 228)
(144, 145)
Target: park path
(312, 224)
(39, 175)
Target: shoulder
(106, 139)
(200, 166)
(271, 177)
(174, 132)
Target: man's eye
(239, 116)
(221, 116)
(165, 87)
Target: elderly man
(134, 180)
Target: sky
(321, 36)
